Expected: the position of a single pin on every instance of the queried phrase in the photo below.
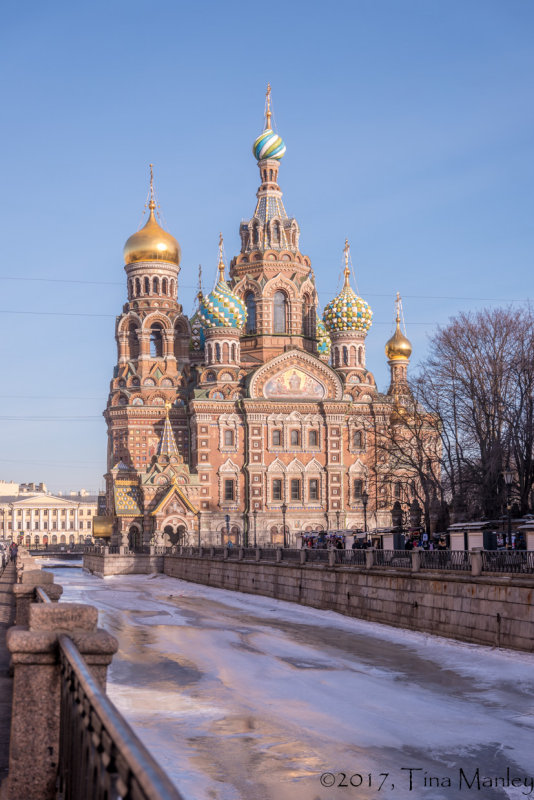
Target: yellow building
(41, 518)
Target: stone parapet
(34, 742)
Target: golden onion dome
(398, 346)
(152, 243)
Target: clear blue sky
(409, 130)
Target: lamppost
(338, 514)
(284, 509)
(365, 500)
(227, 518)
(255, 515)
(508, 476)
(199, 528)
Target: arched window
(137, 287)
(217, 352)
(250, 302)
(173, 288)
(277, 438)
(313, 438)
(280, 313)
(295, 437)
(226, 353)
(256, 233)
(155, 285)
(360, 355)
(147, 286)
(164, 286)
(358, 488)
(234, 353)
(133, 342)
(229, 438)
(345, 356)
(357, 440)
(156, 340)
(308, 327)
(398, 490)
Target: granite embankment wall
(491, 610)
(122, 564)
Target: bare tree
(479, 381)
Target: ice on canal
(241, 697)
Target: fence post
(476, 561)
(240, 554)
(416, 560)
(303, 556)
(258, 554)
(331, 557)
(278, 553)
(369, 557)
(34, 740)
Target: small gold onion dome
(152, 243)
(398, 346)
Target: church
(255, 420)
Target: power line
(191, 286)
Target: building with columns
(257, 410)
(38, 517)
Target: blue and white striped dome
(268, 145)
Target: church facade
(256, 412)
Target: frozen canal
(245, 698)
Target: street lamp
(255, 515)
(227, 518)
(365, 500)
(199, 528)
(508, 476)
(284, 509)
(338, 513)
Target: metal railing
(317, 555)
(350, 557)
(100, 757)
(459, 560)
(511, 562)
(514, 561)
(393, 558)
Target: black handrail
(101, 758)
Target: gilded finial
(268, 107)
(168, 406)
(221, 262)
(346, 271)
(398, 307)
(152, 201)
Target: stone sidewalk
(7, 616)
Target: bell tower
(270, 274)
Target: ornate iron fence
(393, 558)
(317, 555)
(249, 552)
(100, 757)
(350, 557)
(268, 554)
(508, 561)
(290, 555)
(445, 559)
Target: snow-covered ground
(242, 697)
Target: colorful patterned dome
(221, 308)
(268, 145)
(324, 343)
(347, 311)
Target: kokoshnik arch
(254, 401)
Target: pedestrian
(230, 543)
(442, 544)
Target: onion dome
(399, 346)
(347, 311)
(268, 144)
(221, 308)
(324, 343)
(152, 243)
